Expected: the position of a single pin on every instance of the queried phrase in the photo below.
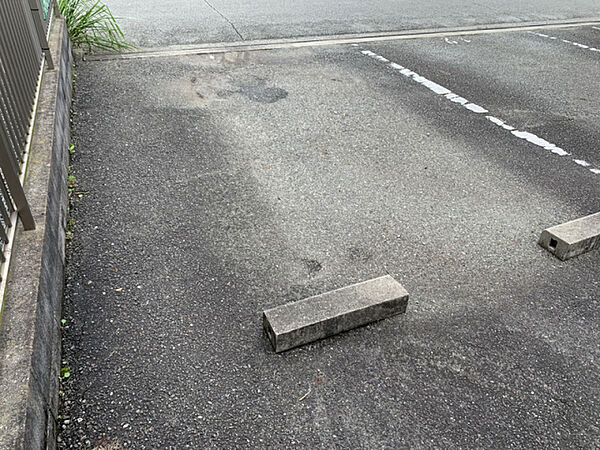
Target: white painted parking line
(455, 98)
(536, 140)
(434, 87)
(566, 41)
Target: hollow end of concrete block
(550, 243)
(269, 332)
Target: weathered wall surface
(30, 328)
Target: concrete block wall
(30, 327)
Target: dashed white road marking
(476, 108)
(448, 41)
(596, 28)
(434, 87)
(566, 41)
(530, 137)
(581, 162)
(499, 122)
(455, 98)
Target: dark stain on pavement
(358, 254)
(258, 91)
(312, 265)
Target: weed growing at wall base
(91, 25)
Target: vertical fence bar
(23, 39)
(38, 20)
(16, 191)
(8, 55)
(5, 149)
(22, 62)
(8, 115)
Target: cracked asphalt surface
(213, 187)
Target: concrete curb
(30, 328)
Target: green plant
(71, 181)
(91, 25)
(65, 372)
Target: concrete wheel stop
(333, 312)
(572, 238)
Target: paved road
(158, 23)
(217, 186)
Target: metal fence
(24, 26)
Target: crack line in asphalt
(226, 19)
(455, 98)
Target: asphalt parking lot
(212, 187)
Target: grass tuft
(92, 26)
